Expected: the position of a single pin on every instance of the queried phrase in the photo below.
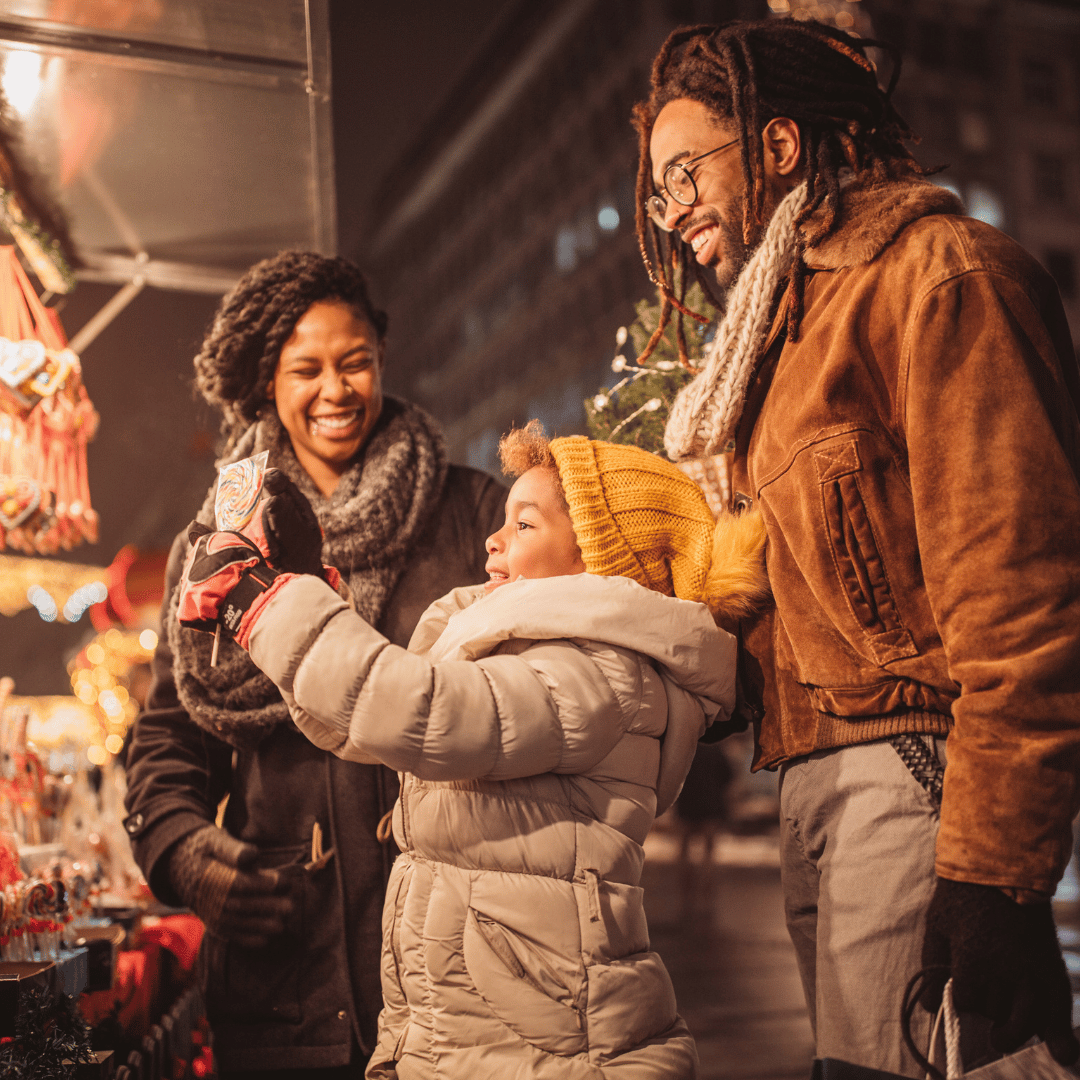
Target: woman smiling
(294, 360)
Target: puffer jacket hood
(678, 636)
(538, 729)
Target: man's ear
(782, 144)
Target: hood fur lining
(877, 205)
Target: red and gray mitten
(226, 582)
(230, 576)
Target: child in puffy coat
(540, 722)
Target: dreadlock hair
(749, 73)
(240, 352)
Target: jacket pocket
(393, 963)
(630, 1000)
(260, 985)
(521, 987)
(857, 555)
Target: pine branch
(625, 413)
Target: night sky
(392, 67)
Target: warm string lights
(100, 680)
(57, 590)
(843, 14)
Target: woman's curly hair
(240, 352)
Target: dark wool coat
(300, 1002)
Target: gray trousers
(857, 835)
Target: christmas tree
(635, 410)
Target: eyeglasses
(679, 184)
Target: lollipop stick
(217, 641)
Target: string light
(45, 604)
(99, 679)
(82, 598)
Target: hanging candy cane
(46, 420)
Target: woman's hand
(294, 538)
(212, 872)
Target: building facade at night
(994, 89)
(505, 249)
(506, 252)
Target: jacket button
(134, 823)
(342, 1014)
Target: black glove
(1005, 963)
(210, 871)
(293, 535)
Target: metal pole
(106, 315)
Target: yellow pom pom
(737, 582)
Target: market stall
(146, 153)
(76, 917)
(92, 971)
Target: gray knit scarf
(371, 523)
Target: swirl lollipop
(18, 947)
(239, 487)
(238, 490)
(39, 906)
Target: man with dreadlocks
(898, 384)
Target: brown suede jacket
(915, 454)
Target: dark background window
(973, 51)
(1062, 267)
(931, 44)
(1050, 177)
(1040, 82)
(939, 118)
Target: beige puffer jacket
(539, 731)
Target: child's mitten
(226, 582)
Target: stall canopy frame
(251, 127)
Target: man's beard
(736, 251)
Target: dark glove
(211, 873)
(1005, 963)
(225, 577)
(294, 538)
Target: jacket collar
(878, 203)
(468, 624)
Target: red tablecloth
(140, 974)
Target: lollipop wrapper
(238, 491)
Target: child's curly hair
(526, 448)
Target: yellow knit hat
(636, 515)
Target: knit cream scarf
(707, 409)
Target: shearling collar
(878, 203)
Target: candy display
(46, 421)
(22, 778)
(33, 917)
(61, 819)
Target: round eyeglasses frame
(679, 184)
